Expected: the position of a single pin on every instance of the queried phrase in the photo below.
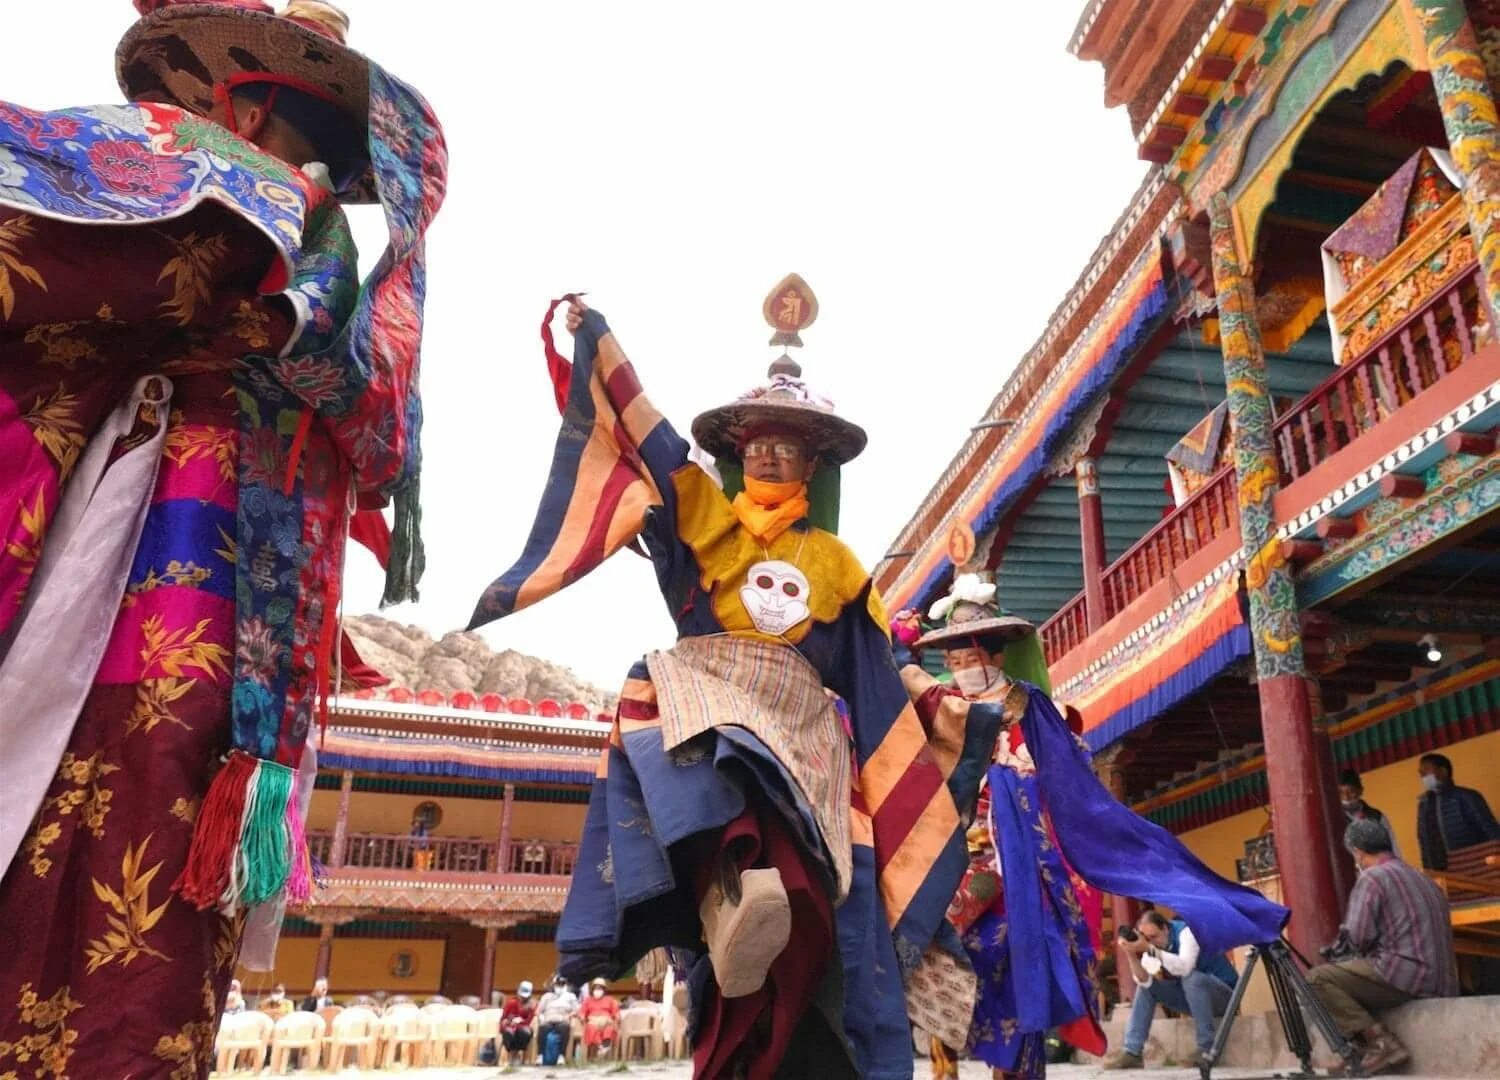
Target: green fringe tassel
(1025, 660)
(408, 557)
(264, 843)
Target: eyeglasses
(765, 448)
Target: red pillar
(341, 823)
(1298, 804)
(1342, 862)
(1124, 910)
(487, 980)
(502, 850)
(325, 951)
(1091, 531)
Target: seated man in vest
(1172, 971)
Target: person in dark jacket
(1352, 799)
(1449, 817)
(318, 999)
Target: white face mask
(1430, 782)
(598, 991)
(975, 680)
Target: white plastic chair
(643, 1026)
(353, 1029)
(676, 1031)
(241, 1035)
(410, 1029)
(297, 1031)
(455, 1038)
(488, 1027)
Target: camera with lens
(1129, 933)
(1341, 949)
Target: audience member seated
(1352, 798)
(1172, 971)
(1396, 944)
(318, 999)
(554, 1020)
(234, 1000)
(276, 1004)
(601, 1021)
(516, 1022)
(1449, 817)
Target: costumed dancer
(722, 822)
(1051, 914)
(1048, 837)
(194, 391)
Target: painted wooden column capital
(1467, 103)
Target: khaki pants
(1350, 989)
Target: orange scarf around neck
(767, 510)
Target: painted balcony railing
(444, 854)
(1433, 340)
(1066, 630)
(1180, 535)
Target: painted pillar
(325, 951)
(1469, 117)
(1334, 821)
(341, 823)
(1123, 910)
(1292, 761)
(502, 852)
(487, 980)
(1091, 530)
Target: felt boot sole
(744, 938)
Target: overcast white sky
(938, 172)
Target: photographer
(1396, 944)
(1172, 971)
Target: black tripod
(1290, 988)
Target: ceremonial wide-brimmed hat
(784, 403)
(969, 611)
(178, 52)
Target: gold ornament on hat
(790, 307)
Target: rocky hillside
(410, 657)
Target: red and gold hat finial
(790, 307)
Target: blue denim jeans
(1203, 996)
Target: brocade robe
(107, 972)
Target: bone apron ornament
(775, 595)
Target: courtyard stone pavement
(682, 1070)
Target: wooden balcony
(444, 854)
(439, 876)
(1180, 535)
(1434, 339)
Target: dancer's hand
(576, 309)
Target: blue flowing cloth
(1041, 939)
(1117, 851)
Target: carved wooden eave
(1140, 44)
(1143, 219)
